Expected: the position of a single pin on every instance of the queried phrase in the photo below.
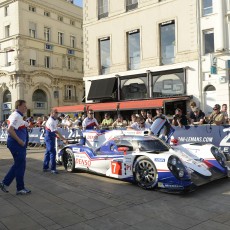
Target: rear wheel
(69, 160)
(145, 173)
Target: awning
(110, 106)
(70, 108)
(122, 105)
(102, 89)
(148, 104)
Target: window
(72, 41)
(134, 88)
(133, 49)
(6, 11)
(47, 34)
(208, 41)
(131, 4)
(70, 92)
(71, 52)
(9, 58)
(47, 14)
(32, 62)
(60, 38)
(48, 46)
(167, 42)
(102, 9)
(7, 96)
(72, 22)
(32, 8)
(168, 85)
(207, 7)
(104, 48)
(7, 31)
(32, 29)
(47, 62)
(60, 18)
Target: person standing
(225, 112)
(50, 134)
(16, 143)
(90, 122)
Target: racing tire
(69, 160)
(145, 173)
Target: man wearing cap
(216, 117)
(197, 117)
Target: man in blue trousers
(50, 135)
(16, 143)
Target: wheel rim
(145, 173)
(69, 163)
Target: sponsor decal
(196, 139)
(84, 162)
(76, 150)
(159, 159)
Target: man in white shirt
(51, 128)
(140, 124)
(90, 122)
(17, 143)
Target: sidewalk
(85, 201)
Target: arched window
(39, 98)
(7, 96)
(39, 95)
(134, 88)
(210, 88)
(168, 85)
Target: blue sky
(78, 2)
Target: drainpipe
(219, 34)
(200, 73)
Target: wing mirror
(123, 149)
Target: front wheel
(145, 173)
(69, 160)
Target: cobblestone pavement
(85, 201)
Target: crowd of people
(144, 120)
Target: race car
(137, 157)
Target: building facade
(41, 55)
(169, 49)
(214, 52)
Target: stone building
(146, 54)
(41, 55)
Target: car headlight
(177, 168)
(220, 157)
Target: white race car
(146, 160)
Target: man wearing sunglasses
(90, 122)
(216, 117)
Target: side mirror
(123, 149)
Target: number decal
(116, 168)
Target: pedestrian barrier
(216, 135)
